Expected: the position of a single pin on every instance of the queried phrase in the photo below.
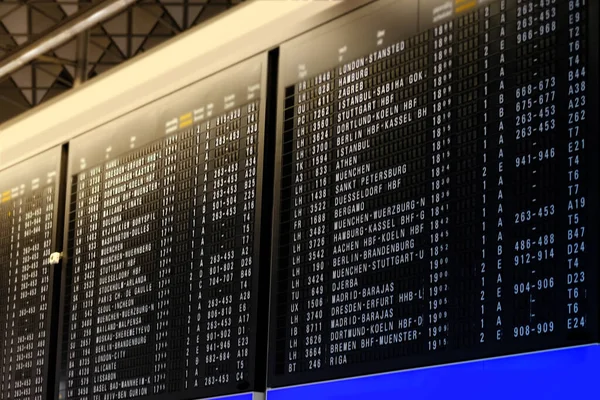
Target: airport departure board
(437, 198)
(161, 288)
(28, 204)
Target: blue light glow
(559, 374)
(245, 396)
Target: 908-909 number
(540, 328)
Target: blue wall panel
(245, 396)
(559, 374)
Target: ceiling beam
(55, 60)
(159, 17)
(14, 103)
(12, 10)
(62, 33)
(52, 74)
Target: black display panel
(28, 206)
(437, 188)
(161, 298)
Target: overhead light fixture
(63, 34)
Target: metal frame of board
(152, 121)
(60, 155)
(338, 24)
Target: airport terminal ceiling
(137, 28)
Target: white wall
(244, 31)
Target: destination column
(124, 315)
(354, 126)
(381, 179)
(103, 308)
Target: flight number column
(245, 242)
(441, 127)
(318, 144)
(87, 222)
(577, 304)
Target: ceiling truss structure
(135, 30)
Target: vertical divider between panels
(274, 303)
(266, 262)
(57, 276)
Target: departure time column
(440, 184)
(163, 304)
